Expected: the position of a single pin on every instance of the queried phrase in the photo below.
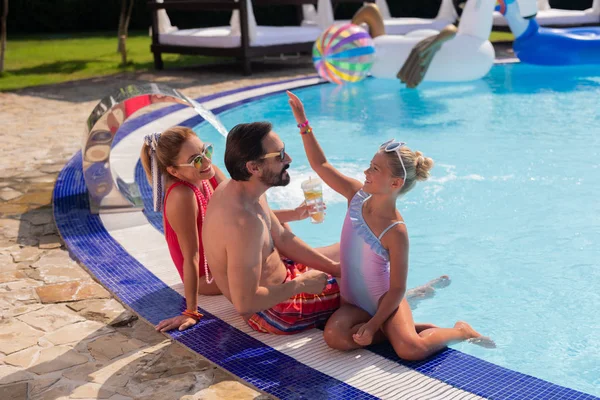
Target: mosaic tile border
(225, 345)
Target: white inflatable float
(468, 55)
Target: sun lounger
(554, 17)
(400, 26)
(243, 38)
(403, 25)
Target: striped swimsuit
(364, 261)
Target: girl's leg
(420, 327)
(343, 324)
(410, 345)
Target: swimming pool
(510, 213)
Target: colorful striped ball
(344, 53)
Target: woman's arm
(296, 214)
(342, 184)
(287, 215)
(182, 213)
(396, 241)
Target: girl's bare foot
(475, 337)
(428, 290)
(469, 332)
(441, 282)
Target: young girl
(374, 253)
(178, 161)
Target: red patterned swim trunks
(301, 312)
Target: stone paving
(62, 335)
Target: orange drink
(313, 194)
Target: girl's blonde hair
(417, 166)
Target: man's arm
(244, 265)
(293, 247)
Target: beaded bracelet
(192, 314)
(308, 130)
(303, 125)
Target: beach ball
(344, 53)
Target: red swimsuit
(170, 234)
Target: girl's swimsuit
(365, 263)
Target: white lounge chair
(164, 22)
(243, 38)
(555, 17)
(400, 26)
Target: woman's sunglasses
(197, 161)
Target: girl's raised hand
(297, 107)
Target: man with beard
(242, 240)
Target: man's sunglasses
(280, 154)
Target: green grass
(35, 60)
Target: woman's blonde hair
(167, 149)
(159, 151)
(417, 166)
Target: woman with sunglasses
(374, 253)
(179, 164)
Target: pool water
(511, 212)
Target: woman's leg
(343, 324)
(409, 345)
